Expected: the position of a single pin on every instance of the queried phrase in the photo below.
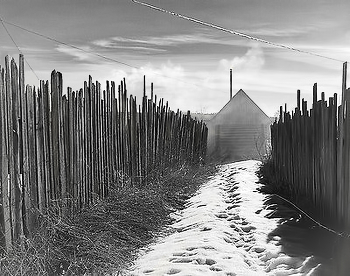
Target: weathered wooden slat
(5, 181)
(346, 160)
(121, 128)
(99, 139)
(62, 139)
(74, 149)
(15, 189)
(39, 132)
(113, 126)
(54, 138)
(46, 143)
(32, 188)
(104, 137)
(94, 183)
(103, 142)
(70, 149)
(80, 148)
(132, 135)
(87, 101)
(108, 136)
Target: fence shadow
(301, 237)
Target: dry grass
(104, 238)
(272, 183)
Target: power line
(90, 52)
(14, 42)
(67, 44)
(211, 25)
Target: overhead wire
(90, 52)
(14, 42)
(211, 25)
(67, 44)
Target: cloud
(276, 32)
(130, 45)
(164, 41)
(183, 89)
(340, 52)
(347, 36)
(76, 53)
(174, 40)
(167, 79)
(252, 60)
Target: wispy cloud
(279, 32)
(339, 52)
(76, 53)
(287, 30)
(161, 42)
(29, 50)
(128, 44)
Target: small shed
(239, 131)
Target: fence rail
(67, 148)
(311, 153)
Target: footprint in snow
(173, 271)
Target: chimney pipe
(230, 84)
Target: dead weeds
(104, 238)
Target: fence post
(40, 152)
(5, 181)
(44, 87)
(346, 158)
(340, 152)
(32, 187)
(14, 160)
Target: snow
(223, 231)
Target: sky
(188, 63)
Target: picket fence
(67, 149)
(311, 153)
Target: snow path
(223, 231)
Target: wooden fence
(311, 153)
(68, 148)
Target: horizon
(189, 64)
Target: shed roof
(241, 109)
